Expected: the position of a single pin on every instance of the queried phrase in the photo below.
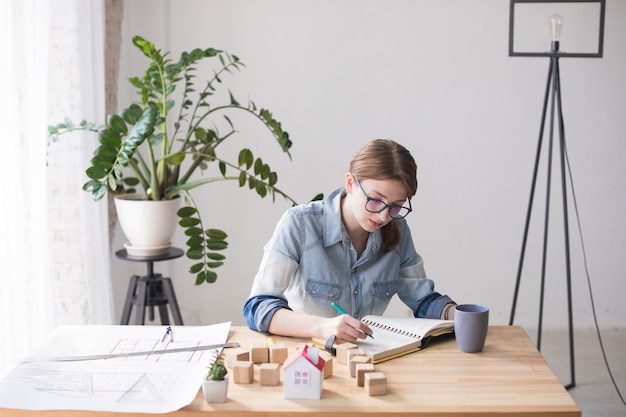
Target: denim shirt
(310, 262)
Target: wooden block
(328, 366)
(354, 361)
(243, 372)
(269, 374)
(278, 353)
(354, 352)
(361, 370)
(375, 383)
(342, 352)
(236, 354)
(259, 353)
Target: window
(301, 378)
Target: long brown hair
(385, 159)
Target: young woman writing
(353, 249)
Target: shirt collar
(335, 231)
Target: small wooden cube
(361, 370)
(353, 352)
(278, 353)
(375, 383)
(269, 374)
(354, 361)
(236, 354)
(328, 366)
(259, 353)
(342, 352)
(243, 372)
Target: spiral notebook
(397, 336)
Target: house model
(303, 374)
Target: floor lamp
(552, 101)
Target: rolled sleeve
(433, 307)
(258, 311)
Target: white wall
(435, 76)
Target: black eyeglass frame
(385, 205)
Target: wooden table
(509, 377)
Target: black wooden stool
(151, 290)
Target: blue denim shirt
(309, 263)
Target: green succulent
(218, 370)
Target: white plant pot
(215, 391)
(148, 225)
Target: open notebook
(396, 336)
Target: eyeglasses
(376, 206)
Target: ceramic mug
(470, 326)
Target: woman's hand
(345, 328)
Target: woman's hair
(384, 159)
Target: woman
(354, 250)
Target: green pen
(342, 311)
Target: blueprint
(143, 381)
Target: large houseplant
(165, 143)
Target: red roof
(303, 351)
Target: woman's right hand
(345, 328)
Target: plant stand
(151, 290)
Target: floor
(594, 391)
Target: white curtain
(55, 244)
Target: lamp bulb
(556, 23)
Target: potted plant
(215, 385)
(166, 143)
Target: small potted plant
(215, 385)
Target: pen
(342, 311)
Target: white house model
(303, 374)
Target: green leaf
(195, 241)
(176, 159)
(215, 234)
(258, 165)
(272, 178)
(260, 189)
(216, 245)
(195, 253)
(189, 221)
(233, 102)
(117, 124)
(209, 276)
(246, 158)
(193, 231)
(186, 211)
(109, 138)
(130, 181)
(200, 278)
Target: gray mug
(470, 326)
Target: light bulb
(556, 23)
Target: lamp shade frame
(595, 54)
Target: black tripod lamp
(581, 13)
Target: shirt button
(355, 292)
(314, 292)
(387, 293)
(331, 295)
